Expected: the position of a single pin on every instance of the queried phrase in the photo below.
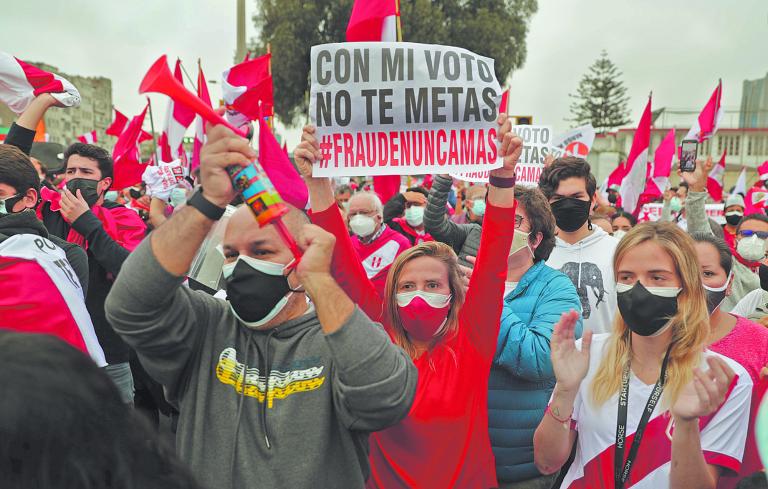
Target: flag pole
(189, 78)
(152, 126)
(399, 25)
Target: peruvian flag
(706, 125)
(128, 169)
(715, 179)
(373, 20)
(88, 138)
(247, 90)
(118, 125)
(202, 92)
(576, 142)
(21, 82)
(637, 163)
(662, 167)
(177, 119)
(741, 183)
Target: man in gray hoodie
(274, 390)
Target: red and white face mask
(423, 314)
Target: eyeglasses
(748, 232)
(518, 221)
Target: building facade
(754, 103)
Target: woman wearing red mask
(443, 442)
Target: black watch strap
(205, 206)
(502, 182)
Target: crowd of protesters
(452, 335)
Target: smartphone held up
(688, 151)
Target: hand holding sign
(307, 152)
(511, 148)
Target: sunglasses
(747, 233)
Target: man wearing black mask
(582, 251)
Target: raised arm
(347, 269)
(486, 287)
(436, 222)
(22, 132)
(375, 380)
(695, 202)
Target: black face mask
(88, 189)
(612, 198)
(253, 293)
(570, 214)
(645, 313)
(733, 220)
(763, 273)
(135, 194)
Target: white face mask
(362, 225)
(432, 298)
(6, 208)
(751, 248)
(619, 234)
(178, 196)
(414, 215)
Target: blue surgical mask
(111, 195)
(178, 196)
(6, 204)
(478, 207)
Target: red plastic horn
(160, 80)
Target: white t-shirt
(750, 303)
(723, 434)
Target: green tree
(601, 98)
(493, 28)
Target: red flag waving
(637, 163)
(373, 20)
(202, 92)
(709, 118)
(118, 125)
(177, 119)
(247, 88)
(280, 170)
(125, 154)
(715, 179)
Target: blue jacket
(522, 379)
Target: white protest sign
(385, 108)
(576, 142)
(537, 142)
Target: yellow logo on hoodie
(281, 384)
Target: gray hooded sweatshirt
(325, 392)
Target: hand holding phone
(688, 155)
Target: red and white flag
(504, 106)
(709, 119)
(662, 167)
(247, 90)
(741, 183)
(21, 82)
(177, 119)
(715, 180)
(128, 169)
(637, 163)
(202, 92)
(88, 138)
(576, 142)
(373, 20)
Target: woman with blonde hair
(652, 407)
(443, 442)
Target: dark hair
(99, 155)
(757, 480)
(683, 184)
(420, 190)
(629, 217)
(342, 189)
(64, 426)
(540, 217)
(17, 170)
(563, 168)
(726, 258)
(756, 216)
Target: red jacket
(444, 440)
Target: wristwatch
(205, 206)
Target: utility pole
(240, 52)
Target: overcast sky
(676, 48)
